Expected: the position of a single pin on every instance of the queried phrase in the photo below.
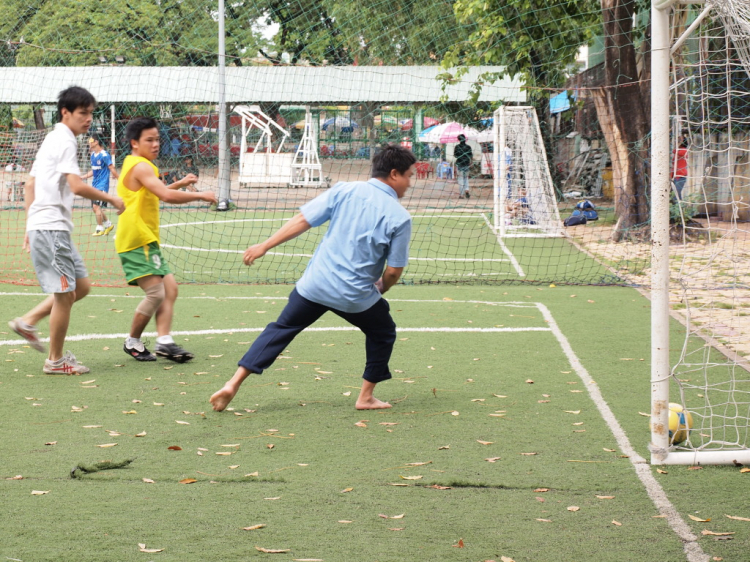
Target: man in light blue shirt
(361, 256)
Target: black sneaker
(468, 194)
(173, 352)
(139, 352)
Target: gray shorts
(56, 260)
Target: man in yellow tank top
(138, 243)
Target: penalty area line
(654, 490)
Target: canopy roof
(252, 84)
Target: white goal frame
(519, 162)
(662, 49)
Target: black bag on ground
(576, 218)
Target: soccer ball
(680, 423)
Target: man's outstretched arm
(293, 228)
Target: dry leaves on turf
(39, 492)
(694, 518)
(272, 550)
(188, 481)
(737, 518)
(713, 534)
(254, 527)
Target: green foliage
(536, 39)
(684, 211)
(168, 33)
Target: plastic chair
(424, 169)
(445, 171)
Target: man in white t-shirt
(54, 180)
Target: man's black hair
(96, 139)
(392, 157)
(461, 138)
(72, 98)
(134, 129)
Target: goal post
(524, 195)
(695, 74)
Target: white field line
(513, 260)
(223, 251)
(89, 337)
(654, 490)
(642, 469)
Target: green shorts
(142, 262)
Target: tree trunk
(627, 112)
(39, 118)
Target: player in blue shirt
(101, 167)
(361, 256)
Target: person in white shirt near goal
(54, 179)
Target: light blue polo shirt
(368, 229)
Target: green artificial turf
(336, 484)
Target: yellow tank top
(139, 224)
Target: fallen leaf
(105, 445)
(142, 548)
(252, 474)
(51, 443)
(737, 518)
(174, 448)
(129, 412)
(361, 424)
(345, 521)
(454, 413)
(574, 508)
(158, 404)
(660, 471)
(188, 481)
(610, 450)
(606, 497)
(444, 447)
(506, 559)
(141, 434)
(269, 446)
(254, 527)
(695, 468)
(272, 550)
(694, 518)
(499, 396)
(410, 477)
(230, 445)
(437, 487)
(215, 356)
(148, 481)
(545, 520)
(529, 381)
(540, 490)
(745, 470)
(272, 499)
(572, 411)
(89, 382)
(528, 454)
(396, 528)
(459, 544)
(182, 422)
(19, 477)
(224, 453)
(711, 533)
(345, 490)
(485, 442)
(39, 492)
(616, 523)
(492, 459)
(388, 423)
(91, 426)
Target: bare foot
(371, 404)
(221, 399)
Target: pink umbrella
(447, 133)
(408, 124)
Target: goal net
(524, 195)
(710, 129)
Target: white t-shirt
(53, 200)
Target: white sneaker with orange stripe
(66, 365)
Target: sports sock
(130, 342)
(107, 224)
(164, 340)
(99, 227)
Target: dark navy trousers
(299, 313)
